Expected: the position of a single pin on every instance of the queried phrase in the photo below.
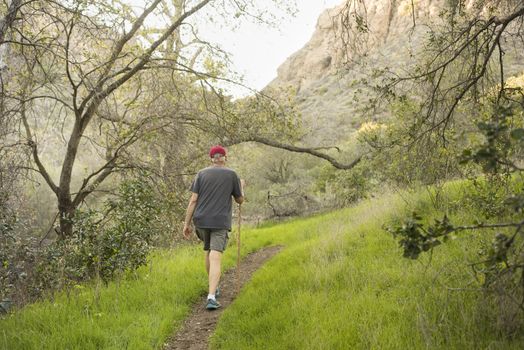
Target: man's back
(215, 185)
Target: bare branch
(142, 62)
(311, 151)
(41, 168)
(7, 21)
(105, 170)
(484, 226)
(117, 49)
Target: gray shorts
(214, 239)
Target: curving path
(201, 323)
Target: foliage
(358, 293)
(498, 196)
(400, 160)
(16, 251)
(346, 187)
(487, 195)
(107, 244)
(455, 113)
(7, 222)
(18, 256)
(74, 67)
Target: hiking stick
(238, 246)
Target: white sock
(211, 296)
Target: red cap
(217, 150)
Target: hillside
(333, 85)
(340, 281)
(345, 286)
(327, 74)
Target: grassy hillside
(347, 287)
(339, 283)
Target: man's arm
(189, 214)
(240, 199)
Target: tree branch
(7, 21)
(104, 171)
(41, 168)
(483, 226)
(142, 62)
(311, 151)
(116, 52)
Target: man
(210, 207)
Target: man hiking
(211, 207)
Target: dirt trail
(201, 323)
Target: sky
(257, 51)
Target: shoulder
(231, 172)
(204, 171)
(222, 170)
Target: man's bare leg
(207, 262)
(214, 259)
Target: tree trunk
(66, 211)
(66, 207)
(7, 21)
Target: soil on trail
(201, 323)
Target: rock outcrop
(336, 42)
(350, 42)
(386, 25)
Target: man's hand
(189, 214)
(187, 231)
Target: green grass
(339, 283)
(349, 288)
(138, 312)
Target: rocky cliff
(336, 42)
(350, 41)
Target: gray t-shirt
(215, 186)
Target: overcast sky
(257, 51)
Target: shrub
(104, 244)
(345, 187)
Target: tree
(68, 70)
(467, 107)
(9, 18)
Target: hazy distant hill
(326, 74)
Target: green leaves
(516, 202)
(501, 139)
(499, 249)
(416, 238)
(517, 134)
(105, 243)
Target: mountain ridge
(327, 72)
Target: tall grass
(340, 283)
(349, 288)
(135, 313)
(139, 311)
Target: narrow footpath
(201, 323)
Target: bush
(105, 244)
(345, 187)
(487, 195)
(497, 201)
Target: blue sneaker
(212, 304)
